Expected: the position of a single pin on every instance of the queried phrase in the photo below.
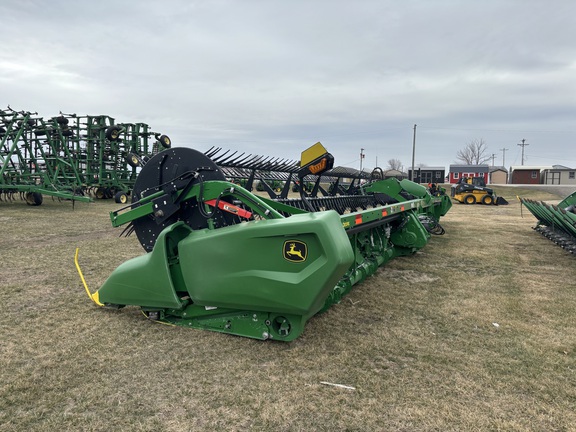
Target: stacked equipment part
(555, 222)
(223, 259)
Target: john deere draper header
(222, 258)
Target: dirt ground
(473, 332)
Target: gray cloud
(274, 77)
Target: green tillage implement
(71, 156)
(223, 259)
(555, 222)
(30, 164)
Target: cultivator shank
(224, 259)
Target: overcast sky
(273, 77)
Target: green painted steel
(237, 270)
(72, 157)
(148, 280)
(260, 271)
(434, 206)
(556, 222)
(262, 278)
(223, 259)
(569, 201)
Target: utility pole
(361, 157)
(493, 156)
(413, 153)
(523, 145)
(503, 150)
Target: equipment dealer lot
(416, 341)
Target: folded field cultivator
(224, 259)
(31, 164)
(555, 222)
(70, 156)
(113, 152)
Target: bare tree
(475, 153)
(395, 164)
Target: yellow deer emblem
(295, 251)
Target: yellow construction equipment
(473, 190)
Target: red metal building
(458, 171)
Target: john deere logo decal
(295, 251)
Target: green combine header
(557, 222)
(224, 259)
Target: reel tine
(216, 158)
(126, 232)
(239, 161)
(222, 159)
(212, 151)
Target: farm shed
(458, 171)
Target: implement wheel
(121, 197)
(34, 198)
(488, 200)
(133, 160)
(113, 133)
(100, 193)
(469, 199)
(165, 141)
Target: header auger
(224, 259)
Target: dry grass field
(475, 332)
